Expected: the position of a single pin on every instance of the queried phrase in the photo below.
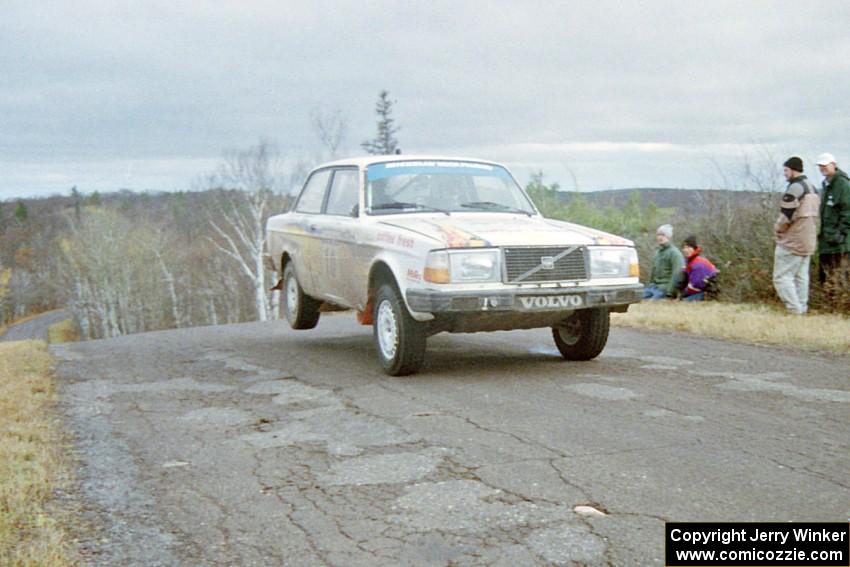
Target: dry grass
(63, 332)
(32, 464)
(754, 324)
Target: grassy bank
(32, 463)
(63, 332)
(753, 324)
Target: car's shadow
(458, 357)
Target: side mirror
(355, 211)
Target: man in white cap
(834, 235)
(795, 232)
(667, 266)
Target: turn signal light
(634, 270)
(437, 267)
(437, 275)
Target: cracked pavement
(257, 445)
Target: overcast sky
(148, 95)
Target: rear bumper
(523, 301)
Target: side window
(345, 192)
(313, 194)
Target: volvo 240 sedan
(422, 245)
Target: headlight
(475, 266)
(613, 263)
(463, 266)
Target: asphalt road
(33, 328)
(257, 445)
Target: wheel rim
(570, 331)
(291, 296)
(387, 326)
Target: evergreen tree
(385, 142)
(21, 212)
(77, 198)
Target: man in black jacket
(834, 235)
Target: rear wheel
(400, 339)
(302, 311)
(583, 335)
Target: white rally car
(421, 245)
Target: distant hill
(682, 199)
(156, 203)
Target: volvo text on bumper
(432, 301)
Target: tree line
(130, 262)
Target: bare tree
(331, 128)
(735, 223)
(165, 251)
(5, 302)
(112, 291)
(248, 183)
(573, 177)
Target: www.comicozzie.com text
(726, 537)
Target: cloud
(649, 84)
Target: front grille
(526, 264)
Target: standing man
(795, 232)
(834, 236)
(667, 266)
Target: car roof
(365, 161)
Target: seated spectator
(666, 267)
(698, 272)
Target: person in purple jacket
(697, 271)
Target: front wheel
(400, 339)
(302, 311)
(583, 335)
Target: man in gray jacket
(796, 238)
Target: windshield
(442, 186)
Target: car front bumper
(523, 300)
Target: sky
(150, 95)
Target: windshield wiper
(492, 206)
(401, 205)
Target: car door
(305, 228)
(338, 230)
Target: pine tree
(77, 198)
(21, 212)
(385, 142)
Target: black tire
(583, 335)
(302, 311)
(399, 338)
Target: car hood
(465, 230)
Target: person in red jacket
(697, 271)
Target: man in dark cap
(796, 238)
